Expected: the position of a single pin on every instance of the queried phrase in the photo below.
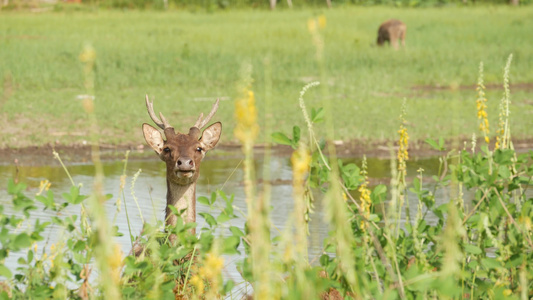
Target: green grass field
(182, 60)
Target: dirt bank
(39, 155)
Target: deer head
(182, 153)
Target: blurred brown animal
(390, 31)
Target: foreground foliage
(382, 242)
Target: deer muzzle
(185, 167)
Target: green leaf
(503, 172)
(295, 135)
(491, 263)
(4, 271)
(15, 189)
(74, 196)
(22, 241)
(209, 219)
(503, 156)
(433, 144)
(236, 231)
(30, 256)
(324, 260)
(317, 116)
(228, 286)
(379, 190)
(230, 245)
(280, 138)
(213, 198)
(203, 200)
(223, 218)
(472, 249)
(48, 201)
(228, 210)
(416, 185)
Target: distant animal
(390, 31)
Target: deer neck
(183, 198)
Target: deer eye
(167, 150)
(199, 149)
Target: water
(220, 170)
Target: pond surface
(220, 170)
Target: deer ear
(211, 135)
(154, 138)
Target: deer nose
(185, 164)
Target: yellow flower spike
(88, 55)
(321, 21)
(213, 266)
(300, 159)
(481, 105)
(198, 283)
(403, 154)
(122, 181)
(44, 185)
(115, 262)
(88, 105)
(246, 129)
(364, 195)
(311, 25)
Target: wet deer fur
(182, 154)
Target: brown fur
(182, 153)
(391, 31)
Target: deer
(182, 154)
(390, 31)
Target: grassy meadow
(185, 60)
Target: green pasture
(185, 60)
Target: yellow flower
(364, 195)
(115, 262)
(316, 23)
(403, 154)
(88, 104)
(321, 21)
(198, 283)
(44, 185)
(311, 25)
(246, 129)
(88, 55)
(481, 105)
(213, 266)
(300, 160)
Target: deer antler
(201, 123)
(150, 106)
